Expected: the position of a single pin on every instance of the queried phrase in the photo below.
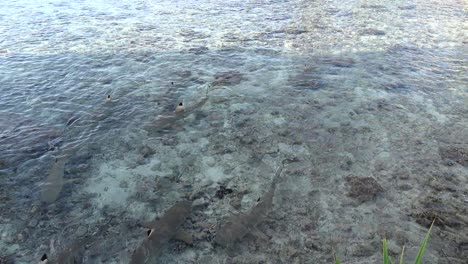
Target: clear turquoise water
(346, 88)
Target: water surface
(363, 103)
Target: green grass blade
(337, 261)
(418, 259)
(386, 258)
(402, 253)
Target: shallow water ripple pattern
(364, 102)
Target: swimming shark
(54, 182)
(238, 226)
(170, 120)
(161, 231)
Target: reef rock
(228, 78)
(363, 189)
(457, 154)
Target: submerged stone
(378, 7)
(223, 191)
(457, 154)
(3, 164)
(340, 62)
(183, 73)
(363, 189)
(408, 7)
(373, 32)
(305, 80)
(6, 260)
(199, 50)
(146, 151)
(228, 78)
(446, 213)
(292, 31)
(106, 80)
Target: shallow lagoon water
(366, 101)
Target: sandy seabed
(364, 107)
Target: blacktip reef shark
(72, 253)
(238, 226)
(164, 121)
(161, 231)
(54, 182)
(181, 111)
(67, 256)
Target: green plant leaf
(386, 258)
(402, 253)
(419, 258)
(337, 261)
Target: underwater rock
(169, 140)
(295, 31)
(228, 78)
(408, 7)
(405, 187)
(222, 192)
(200, 202)
(9, 232)
(457, 154)
(6, 260)
(183, 74)
(397, 48)
(146, 151)
(447, 213)
(363, 189)
(305, 80)
(373, 32)
(106, 81)
(346, 165)
(199, 50)
(339, 62)
(379, 7)
(81, 231)
(364, 250)
(291, 31)
(123, 184)
(79, 169)
(33, 223)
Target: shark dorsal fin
(149, 232)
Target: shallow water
(365, 103)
